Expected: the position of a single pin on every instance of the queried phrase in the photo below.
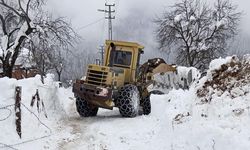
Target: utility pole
(101, 51)
(109, 17)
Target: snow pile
(217, 63)
(228, 77)
(36, 127)
(187, 75)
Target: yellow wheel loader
(120, 82)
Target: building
(24, 67)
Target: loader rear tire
(128, 101)
(146, 105)
(84, 108)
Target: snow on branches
(197, 31)
(19, 29)
(16, 26)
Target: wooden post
(18, 110)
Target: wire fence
(11, 146)
(9, 110)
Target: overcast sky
(86, 19)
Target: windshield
(122, 58)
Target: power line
(92, 23)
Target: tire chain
(84, 108)
(125, 101)
(146, 105)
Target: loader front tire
(128, 101)
(84, 108)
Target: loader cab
(123, 56)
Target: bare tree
(197, 32)
(23, 23)
(50, 46)
(58, 64)
(16, 25)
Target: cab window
(122, 58)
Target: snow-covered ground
(37, 130)
(180, 120)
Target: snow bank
(34, 123)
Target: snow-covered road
(108, 130)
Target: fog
(134, 21)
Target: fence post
(18, 92)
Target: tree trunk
(59, 77)
(10, 59)
(59, 73)
(7, 69)
(189, 57)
